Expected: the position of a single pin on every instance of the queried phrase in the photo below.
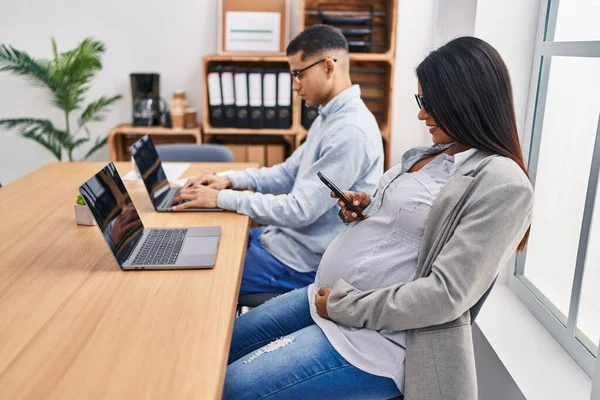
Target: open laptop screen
(149, 166)
(115, 214)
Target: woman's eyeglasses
(296, 73)
(422, 104)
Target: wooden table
(74, 326)
(123, 136)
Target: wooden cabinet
(123, 136)
(266, 155)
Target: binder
(270, 98)
(255, 97)
(240, 81)
(284, 99)
(309, 114)
(228, 91)
(215, 99)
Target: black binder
(284, 99)
(308, 115)
(228, 92)
(240, 80)
(215, 99)
(255, 98)
(270, 98)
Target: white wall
(416, 34)
(171, 39)
(140, 36)
(510, 26)
(455, 18)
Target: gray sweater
(474, 226)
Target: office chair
(253, 300)
(477, 306)
(194, 153)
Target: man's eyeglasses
(422, 104)
(296, 73)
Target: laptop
(135, 246)
(154, 177)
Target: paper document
(172, 170)
(252, 31)
(179, 182)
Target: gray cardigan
(474, 226)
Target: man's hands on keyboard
(195, 197)
(211, 180)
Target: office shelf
(373, 71)
(123, 136)
(238, 131)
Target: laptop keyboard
(167, 199)
(161, 247)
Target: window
(558, 277)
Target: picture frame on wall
(253, 26)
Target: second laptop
(155, 180)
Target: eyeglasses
(296, 73)
(422, 104)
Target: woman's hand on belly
(321, 302)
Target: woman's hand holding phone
(360, 199)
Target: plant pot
(83, 215)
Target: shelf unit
(384, 12)
(123, 136)
(373, 71)
(248, 61)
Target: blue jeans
(263, 273)
(278, 352)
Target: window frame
(562, 329)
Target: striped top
(382, 251)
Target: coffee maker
(148, 106)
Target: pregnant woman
(388, 313)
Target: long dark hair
(467, 89)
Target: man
(344, 143)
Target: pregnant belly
(373, 264)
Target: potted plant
(67, 76)
(83, 215)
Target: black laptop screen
(149, 166)
(114, 211)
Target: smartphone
(340, 195)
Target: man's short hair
(316, 39)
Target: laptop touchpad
(200, 245)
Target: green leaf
(20, 63)
(68, 77)
(79, 200)
(97, 146)
(41, 131)
(79, 142)
(35, 135)
(94, 111)
(73, 71)
(54, 50)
